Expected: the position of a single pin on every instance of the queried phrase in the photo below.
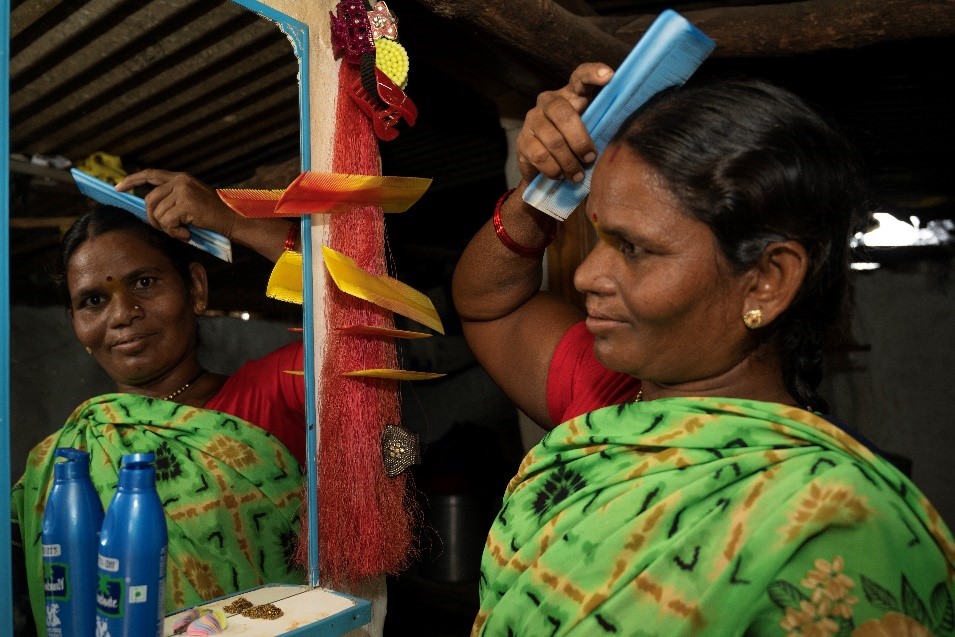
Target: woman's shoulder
(262, 376)
(578, 383)
(289, 355)
(269, 392)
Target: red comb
(390, 106)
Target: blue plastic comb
(667, 55)
(98, 190)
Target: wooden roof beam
(795, 28)
(556, 40)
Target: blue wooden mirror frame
(6, 583)
(298, 34)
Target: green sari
(686, 516)
(231, 492)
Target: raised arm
(179, 199)
(512, 327)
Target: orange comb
(250, 203)
(324, 193)
(313, 192)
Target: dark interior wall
(896, 389)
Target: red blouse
(263, 394)
(577, 383)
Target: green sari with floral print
(704, 516)
(231, 492)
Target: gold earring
(89, 350)
(753, 319)
(200, 307)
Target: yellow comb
(374, 330)
(285, 282)
(393, 374)
(382, 290)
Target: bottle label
(51, 550)
(108, 564)
(109, 596)
(56, 581)
(54, 625)
(137, 594)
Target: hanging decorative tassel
(366, 522)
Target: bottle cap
(130, 459)
(72, 454)
(76, 464)
(137, 471)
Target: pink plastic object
(351, 31)
(383, 22)
(390, 106)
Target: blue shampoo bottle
(70, 537)
(130, 596)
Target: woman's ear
(779, 274)
(198, 287)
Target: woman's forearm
(491, 280)
(268, 237)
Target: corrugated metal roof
(203, 86)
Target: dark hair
(106, 219)
(757, 165)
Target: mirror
(210, 88)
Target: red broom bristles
(365, 523)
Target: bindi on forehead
(112, 284)
(611, 153)
(595, 222)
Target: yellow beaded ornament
(392, 59)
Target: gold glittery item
(399, 449)
(238, 605)
(753, 319)
(265, 611)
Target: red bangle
(292, 236)
(509, 243)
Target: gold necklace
(184, 387)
